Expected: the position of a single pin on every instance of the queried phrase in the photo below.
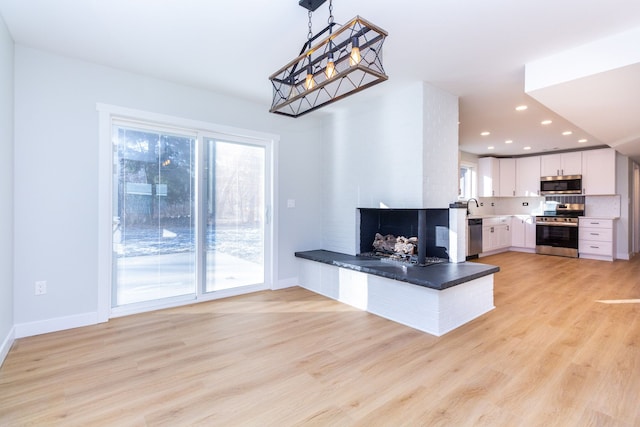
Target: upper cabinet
(599, 171)
(528, 176)
(561, 164)
(507, 186)
(488, 177)
(520, 177)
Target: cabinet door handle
(594, 247)
(594, 223)
(595, 234)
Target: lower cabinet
(496, 233)
(523, 232)
(596, 238)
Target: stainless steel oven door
(557, 239)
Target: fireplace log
(391, 244)
(406, 246)
(384, 243)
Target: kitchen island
(435, 299)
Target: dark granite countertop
(436, 276)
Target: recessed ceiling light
(485, 133)
(567, 132)
(509, 141)
(546, 122)
(521, 107)
(527, 148)
(582, 141)
(491, 147)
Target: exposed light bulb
(355, 57)
(330, 71)
(309, 83)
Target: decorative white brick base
(428, 310)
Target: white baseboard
(53, 325)
(521, 249)
(625, 256)
(285, 283)
(6, 344)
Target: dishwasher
(474, 246)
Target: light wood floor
(550, 354)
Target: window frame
(107, 114)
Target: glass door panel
(153, 221)
(234, 215)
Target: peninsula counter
(434, 299)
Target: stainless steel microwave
(567, 184)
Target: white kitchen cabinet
(596, 239)
(561, 164)
(504, 235)
(488, 177)
(489, 238)
(496, 233)
(507, 186)
(527, 176)
(523, 232)
(599, 171)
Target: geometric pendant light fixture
(346, 60)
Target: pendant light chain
(310, 33)
(330, 20)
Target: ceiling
(476, 50)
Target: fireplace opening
(416, 236)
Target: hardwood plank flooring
(550, 354)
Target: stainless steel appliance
(566, 184)
(557, 230)
(475, 238)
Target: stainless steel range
(557, 230)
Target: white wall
(440, 148)
(56, 172)
(399, 150)
(6, 190)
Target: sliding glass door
(188, 214)
(235, 207)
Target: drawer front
(496, 220)
(595, 223)
(595, 248)
(595, 234)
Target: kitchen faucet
(477, 205)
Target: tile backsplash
(607, 206)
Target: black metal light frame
(294, 95)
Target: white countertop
(499, 216)
(599, 217)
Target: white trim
(110, 113)
(134, 115)
(6, 344)
(54, 325)
(105, 217)
(285, 283)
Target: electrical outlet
(481, 203)
(41, 287)
(492, 204)
(525, 203)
